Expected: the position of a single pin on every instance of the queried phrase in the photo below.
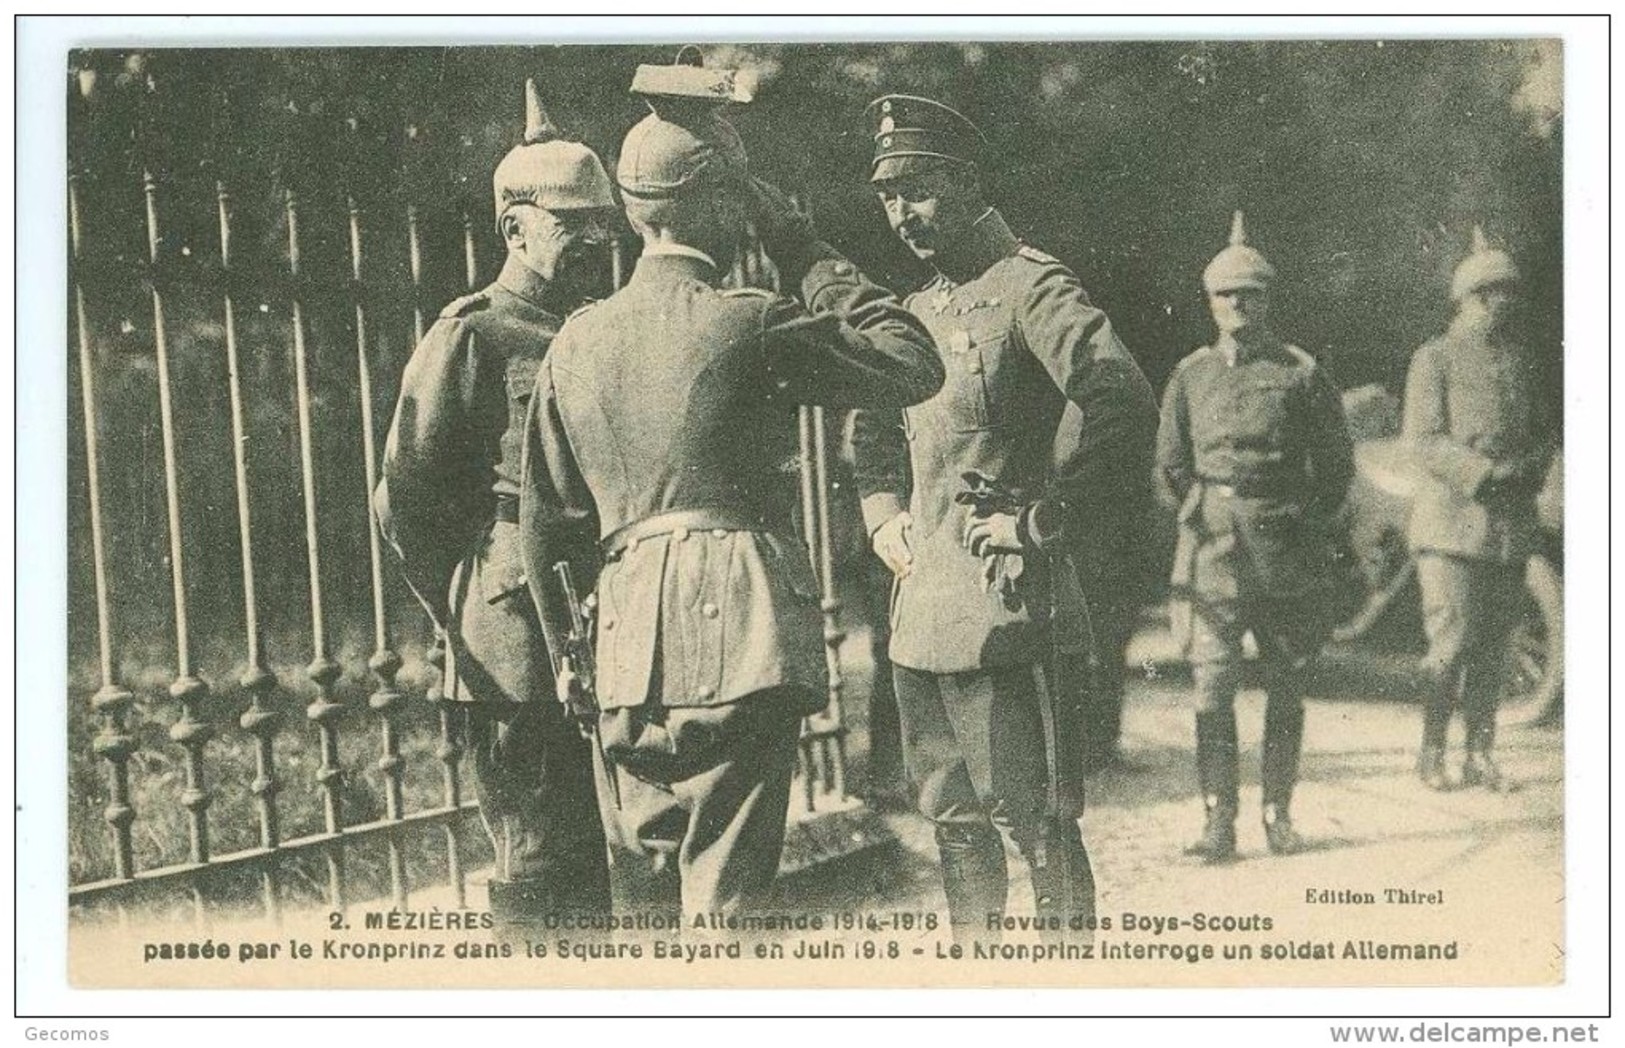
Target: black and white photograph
(1069, 509)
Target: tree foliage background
(1362, 165)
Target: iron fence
(368, 314)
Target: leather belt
(678, 522)
(508, 509)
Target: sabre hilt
(575, 670)
(986, 496)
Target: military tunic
(1472, 412)
(1483, 441)
(674, 401)
(446, 502)
(1043, 398)
(1254, 455)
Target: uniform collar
(528, 284)
(988, 240)
(679, 259)
(1239, 351)
(1470, 328)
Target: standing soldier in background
(1044, 417)
(1254, 455)
(1480, 434)
(661, 425)
(448, 503)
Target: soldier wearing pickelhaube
(661, 426)
(1482, 438)
(1254, 455)
(448, 503)
(979, 500)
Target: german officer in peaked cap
(1482, 436)
(448, 503)
(1254, 455)
(660, 426)
(978, 499)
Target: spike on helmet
(1485, 267)
(1240, 265)
(548, 171)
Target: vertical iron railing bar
(259, 720)
(448, 748)
(384, 663)
(834, 741)
(112, 702)
(190, 731)
(414, 247)
(471, 266)
(323, 671)
(804, 763)
(809, 529)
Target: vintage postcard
(1063, 513)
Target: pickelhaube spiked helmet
(1240, 265)
(548, 171)
(684, 139)
(1485, 267)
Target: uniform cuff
(1036, 528)
(880, 508)
(827, 278)
(1476, 475)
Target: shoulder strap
(749, 293)
(472, 303)
(1032, 254)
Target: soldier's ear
(513, 231)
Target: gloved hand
(786, 232)
(985, 535)
(993, 523)
(891, 544)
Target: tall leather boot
(1219, 775)
(518, 909)
(1283, 745)
(581, 877)
(1480, 695)
(975, 878)
(1441, 695)
(1063, 881)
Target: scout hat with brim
(684, 140)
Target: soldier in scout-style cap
(1254, 456)
(448, 503)
(659, 428)
(1482, 436)
(978, 500)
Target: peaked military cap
(1485, 267)
(547, 171)
(1240, 265)
(912, 133)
